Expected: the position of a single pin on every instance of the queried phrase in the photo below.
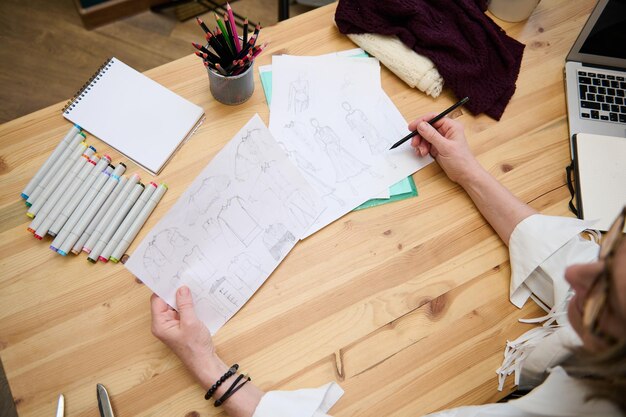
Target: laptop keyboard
(602, 96)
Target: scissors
(104, 404)
(61, 406)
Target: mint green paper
(399, 191)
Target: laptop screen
(608, 35)
(603, 37)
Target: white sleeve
(541, 248)
(312, 402)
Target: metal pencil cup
(232, 90)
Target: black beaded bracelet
(220, 381)
(232, 390)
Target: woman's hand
(446, 142)
(187, 336)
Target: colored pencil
(233, 27)
(245, 31)
(203, 25)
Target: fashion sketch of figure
(248, 155)
(296, 132)
(198, 266)
(248, 272)
(161, 250)
(310, 173)
(212, 228)
(298, 95)
(278, 240)
(201, 199)
(345, 165)
(367, 132)
(235, 218)
(273, 180)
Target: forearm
(243, 402)
(496, 203)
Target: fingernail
(184, 291)
(422, 125)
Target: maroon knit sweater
(474, 56)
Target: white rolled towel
(414, 69)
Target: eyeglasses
(596, 301)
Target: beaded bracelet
(231, 391)
(220, 381)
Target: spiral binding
(87, 86)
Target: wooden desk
(405, 305)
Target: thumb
(432, 136)
(184, 304)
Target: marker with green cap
(137, 224)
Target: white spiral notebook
(134, 114)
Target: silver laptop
(595, 73)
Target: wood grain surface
(405, 305)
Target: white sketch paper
(340, 140)
(231, 228)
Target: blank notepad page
(134, 114)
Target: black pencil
(431, 121)
(245, 31)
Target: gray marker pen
(65, 142)
(62, 239)
(54, 167)
(57, 180)
(78, 196)
(115, 222)
(135, 227)
(41, 231)
(119, 185)
(128, 220)
(111, 212)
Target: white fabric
(535, 240)
(541, 247)
(414, 69)
(559, 395)
(313, 402)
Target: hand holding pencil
(445, 141)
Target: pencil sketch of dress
(198, 266)
(278, 240)
(248, 272)
(367, 132)
(201, 199)
(161, 250)
(345, 165)
(274, 184)
(310, 172)
(236, 220)
(248, 155)
(296, 132)
(298, 95)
